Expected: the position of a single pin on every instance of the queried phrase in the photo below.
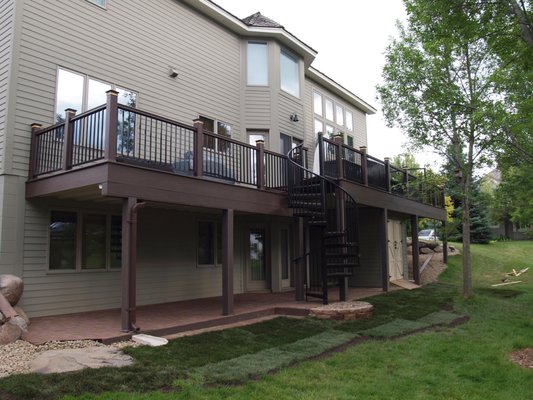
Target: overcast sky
(350, 37)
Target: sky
(350, 37)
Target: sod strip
(395, 328)
(241, 368)
(439, 318)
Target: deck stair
(331, 216)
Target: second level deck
(118, 151)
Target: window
(329, 109)
(209, 243)
(349, 140)
(257, 65)
(218, 128)
(319, 126)
(285, 254)
(85, 241)
(339, 112)
(330, 131)
(83, 93)
(100, 3)
(290, 74)
(317, 102)
(349, 120)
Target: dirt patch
(523, 357)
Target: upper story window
(349, 120)
(101, 3)
(82, 93)
(257, 65)
(329, 109)
(289, 74)
(339, 112)
(317, 103)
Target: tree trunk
(467, 259)
(526, 27)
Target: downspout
(133, 266)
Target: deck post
(111, 122)
(227, 262)
(260, 164)
(68, 139)
(387, 174)
(198, 159)
(384, 217)
(414, 247)
(299, 259)
(340, 170)
(130, 207)
(364, 165)
(33, 150)
(444, 243)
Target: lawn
(435, 361)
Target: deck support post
(414, 247)
(364, 165)
(33, 150)
(383, 224)
(111, 122)
(227, 261)
(300, 259)
(444, 243)
(198, 160)
(260, 164)
(68, 139)
(130, 207)
(338, 139)
(387, 173)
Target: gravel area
(15, 357)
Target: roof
(259, 19)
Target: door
(395, 245)
(257, 266)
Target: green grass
(469, 361)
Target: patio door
(395, 245)
(257, 260)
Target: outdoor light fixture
(294, 117)
(172, 73)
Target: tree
(440, 87)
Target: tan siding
(7, 11)
(105, 44)
(257, 108)
(288, 105)
(166, 267)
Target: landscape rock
(347, 310)
(426, 250)
(438, 249)
(22, 314)
(11, 287)
(9, 333)
(56, 361)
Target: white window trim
(79, 243)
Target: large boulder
(426, 250)
(9, 333)
(11, 287)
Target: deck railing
(117, 133)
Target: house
(143, 160)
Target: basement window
(99, 3)
(209, 243)
(84, 241)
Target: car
(428, 234)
